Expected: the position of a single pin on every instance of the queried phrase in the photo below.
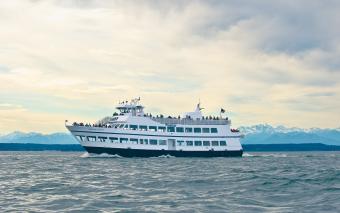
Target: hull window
(214, 143)
(213, 130)
(143, 128)
(113, 140)
(102, 139)
(189, 143)
(223, 143)
(161, 128)
(197, 130)
(91, 138)
(188, 130)
(153, 128)
(198, 143)
(80, 137)
(206, 143)
(133, 127)
(179, 129)
(206, 130)
(123, 140)
(162, 142)
(134, 140)
(171, 129)
(180, 143)
(153, 142)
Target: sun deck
(185, 121)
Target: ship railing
(174, 121)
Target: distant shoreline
(246, 147)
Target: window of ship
(91, 138)
(206, 143)
(113, 139)
(153, 142)
(188, 129)
(123, 140)
(162, 142)
(171, 129)
(102, 139)
(189, 143)
(117, 126)
(198, 143)
(180, 143)
(81, 138)
(161, 128)
(121, 126)
(133, 127)
(214, 143)
(134, 140)
(213, 130)
(197, 130)
(153, 128)
(205, 130)
(141, 141)
(146, 141)
(179, 129)
(143, 128)
(223, 143)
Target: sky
(263, 61)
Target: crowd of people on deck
(150, 115)
(187, 117)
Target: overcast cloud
(264, 61)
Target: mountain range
(38, 138)
(267, 134)
(256, 134)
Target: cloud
(253, 57)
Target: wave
(275, 155)
(166, 156)
(265, 155)
(102, 155)
(247, 155)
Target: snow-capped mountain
(37, 138)
(267, 134)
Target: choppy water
(258, 182)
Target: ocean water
(258, 182)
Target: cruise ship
(132, 133)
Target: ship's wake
(275, 155)
(166, 156)
(102, 155)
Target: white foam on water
(275, 155)
(85, 155)
(102, 155)
(247, 155)
(166, 156)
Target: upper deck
(186, 121)
(133, 113)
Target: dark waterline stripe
(155, 153)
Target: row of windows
(150, 141)
(167, 129)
